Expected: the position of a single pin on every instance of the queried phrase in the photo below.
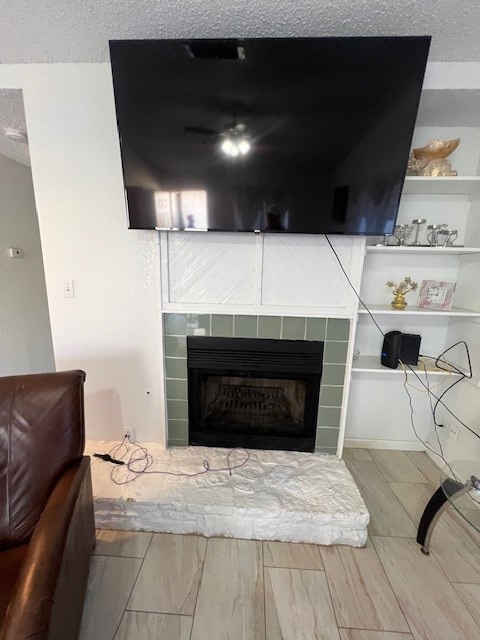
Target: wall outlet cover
(129, 433)
(16, 252)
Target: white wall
(25, 337)
(464, 399)
(110, 328)
(379, 411)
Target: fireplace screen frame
(254, 358)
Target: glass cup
(452, 236)
(402, 233)
(432, 237)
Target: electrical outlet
(68, 289)
(454, 431)
(129, 433)
(16, 252)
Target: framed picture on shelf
(436, 295)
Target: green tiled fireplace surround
(333, 331)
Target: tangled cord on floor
(138, 462)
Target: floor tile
(413, 497)
(170, 575)
(292, 555)
(426, 465)
(470, 595)
(454, 544)
(110, 584)
(129, 544)
(457, 549)
(152, 626)
(396, 466)
(298, 606)
(361, 594)
(387, 516)
(230, 600)
(356, 634)
(432, 607)
(356, 454)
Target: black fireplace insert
(254, 393)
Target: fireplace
(255, 393)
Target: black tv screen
(298, 135)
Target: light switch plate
(68, 289)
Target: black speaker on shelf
(400, 346)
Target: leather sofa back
(42, 432)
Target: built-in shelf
(443, 186)
(371, 364)
(426, 250)
(377, 309)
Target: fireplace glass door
(238, 398)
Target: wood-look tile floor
(147, 586)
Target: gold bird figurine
(430, 160)
(436, 149)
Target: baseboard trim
(395, 445)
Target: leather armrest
(29, 611)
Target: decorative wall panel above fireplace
(273, 274)
(334, 332)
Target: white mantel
(278, 274)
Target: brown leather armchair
(47, 528)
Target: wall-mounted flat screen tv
(297, 135)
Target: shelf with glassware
(440, 234)
(426, 259)
(426, 249)
(434, 213)
(443, 186)
(385, 263)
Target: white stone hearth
(277, 495)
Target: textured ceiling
(12, 115)
(72, 31)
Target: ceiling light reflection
(227, 146)
(243, 147)
(235, 146)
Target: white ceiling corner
(12, 114)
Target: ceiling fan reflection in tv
(234, 139)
